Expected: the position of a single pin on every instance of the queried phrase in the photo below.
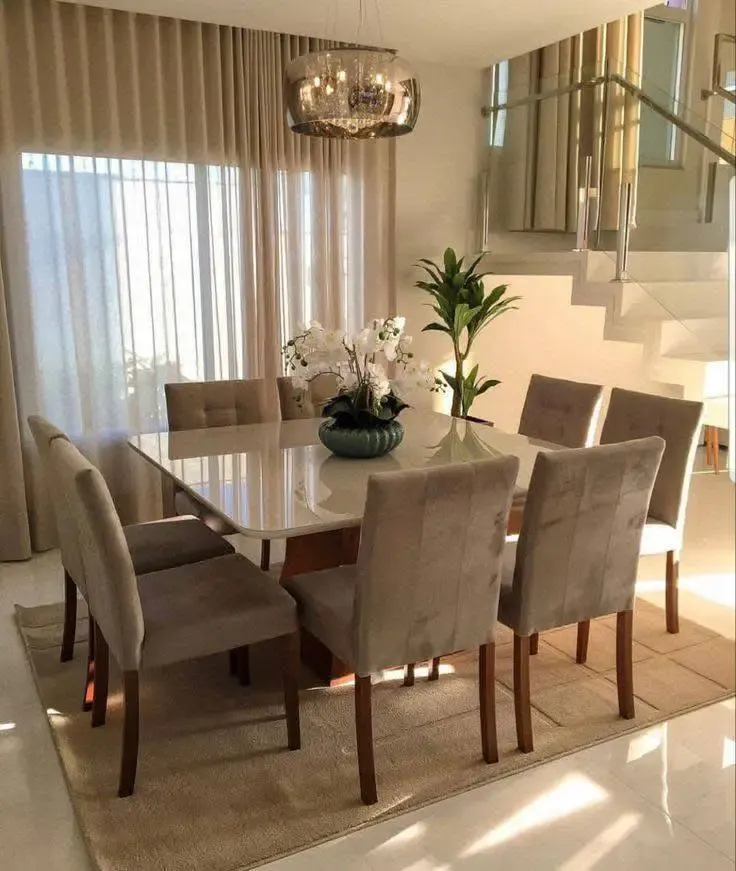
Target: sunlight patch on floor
(574, 793)
(587, 858)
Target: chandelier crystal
(351, 93)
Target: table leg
(311, 553)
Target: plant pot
(361, 444)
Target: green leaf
(486, 385)
(452, 381)
(450, 260)
(439, 328)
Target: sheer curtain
(159, 222)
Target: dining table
(276, 480)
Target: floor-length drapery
(537, 163)
(160, 222)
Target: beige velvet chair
(426, 583)
(321, 388)
(577, 555)
(559, 411)
(166, 616)
(637, 415)
(202, 404)
(159, 545)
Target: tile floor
(662, 798)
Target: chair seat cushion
(209, 607)
(185, 503)
(325, 604)
(165, 544)
(658, 537)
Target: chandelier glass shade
(351, 93)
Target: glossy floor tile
(662, 798)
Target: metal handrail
(723, 153)
(716, 89)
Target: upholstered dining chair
(168, 616)
(153, 546)
(559, 411)
(426, 583)
(634, 415)
(577, 555)
(294, 407)
(201, 404)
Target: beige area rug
(217, 790)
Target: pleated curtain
(537, 166)
(159, 222)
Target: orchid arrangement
(367, 396)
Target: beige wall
(437, 171)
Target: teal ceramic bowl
(361, 444)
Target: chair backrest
(429, 566)
(201, 404)
(112, 588)
(321, 388)
(578, 549)
(634, 415)
(561, 412)
(44, 434)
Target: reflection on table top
(275, 480)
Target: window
(664, 45)
(728, 130)
(143, 257)
(499, 95)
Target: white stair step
(661, 265)
(675, 300)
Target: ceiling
(469, 33)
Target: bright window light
(7, 727)
(729, 753)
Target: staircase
(676, 310)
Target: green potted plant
(464, 310)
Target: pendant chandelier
(351, 93)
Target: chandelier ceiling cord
(352, 93)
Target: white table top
(276, 480)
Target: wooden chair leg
(624, 663)
(101, 679)
(434, 669)
(364, 734)
(409, 674)
(581, 654)
(671, 594)
(487, 688)
(715, 447)
(70, 618)
(534, 644)
(265, 555)
(708, 447)
(131, 718)
(290, 666)
(522, 697)
(243, 666)
(89, 680)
